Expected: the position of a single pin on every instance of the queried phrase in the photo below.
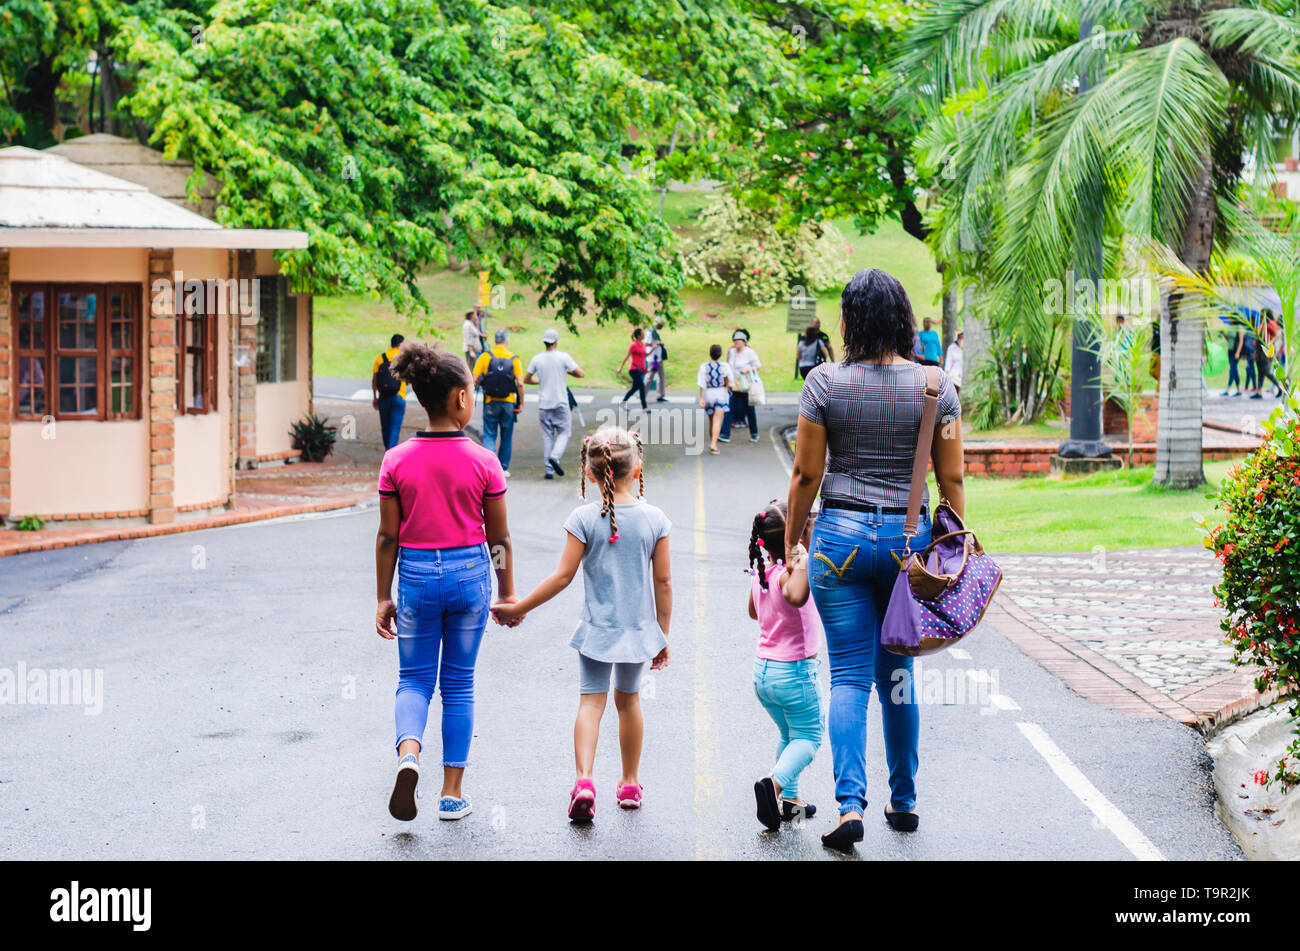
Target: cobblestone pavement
(1135, 630)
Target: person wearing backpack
(388, 394)
(500, 375)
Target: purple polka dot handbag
(941, 592)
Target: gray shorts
(595, 675)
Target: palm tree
(1137, 129)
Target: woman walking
(866, 411)
(636, 352)
(441, 503)
(744, 365)
(811, 351)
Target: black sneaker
(555, 464)
(548, 476)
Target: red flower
(1261, 777)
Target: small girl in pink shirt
(785, 668)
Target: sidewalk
(1135, 631)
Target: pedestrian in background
(636, 353)
(442, 502)
(785, 668)
(500, 375)
(627, 606)
(714, 380)
(810, 351)
(954, 361)
(388, 394)
(549, 370)
(658, 358)
(931, 347)
(472, 338)
(745, 364)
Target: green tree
(1048, 170)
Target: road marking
(1003, 702)
(708, 782)
(1129, 835)
(959, 653)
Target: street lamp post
(1085, 359)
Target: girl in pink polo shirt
(785, 670)
(441, 505)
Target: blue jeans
(852, 574)
(741, 408)
(499, 415)
(789, 692)
(392, 410)
(442, 609)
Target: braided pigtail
(756, 550)
(582, 470)
(640, 457)
(607, 493)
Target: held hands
(506, 614)
(797, 558)
(660, 660)
(385, 619)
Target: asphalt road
(247, 708)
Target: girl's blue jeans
(443, 597)
(789, 693)
(852, 574)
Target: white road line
(960, 653)
(1129, 835)
(1003, 702)
(979, 676)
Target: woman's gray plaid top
(872, 416)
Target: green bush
(31, 523)
(1259, 545)
(313, 437)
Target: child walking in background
(785, 670)
(621, 544)
(441, 501)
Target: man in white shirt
(548, 370)
(952, 362)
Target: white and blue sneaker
(450, 808)
(404, 803)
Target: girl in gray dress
(621, 544)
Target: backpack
(388, 385)
(499, 378)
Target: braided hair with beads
(768, 534)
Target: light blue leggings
(789, 692)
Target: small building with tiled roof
(146, 352)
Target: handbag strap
(924, 442)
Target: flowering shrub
(1259, 545)
(749, 251)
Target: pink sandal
(629, 796)
(582, 801)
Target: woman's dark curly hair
(434, 374)
(878, 320)
(768, 534)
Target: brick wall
(4, 383)
(247, 375)
(1115, 421)
(1016, 461)
(161, 318)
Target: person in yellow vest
(501, 376)
(388, 394)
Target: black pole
(1085, 358)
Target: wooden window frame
(207, 349)
(276, 355)
(102, 354)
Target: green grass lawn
(350, 330)
(1115, 509)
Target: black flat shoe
(902, 821)
(844, 836)
(555, 464)
(789, 810)
(769, 813)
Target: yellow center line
(708, 784)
